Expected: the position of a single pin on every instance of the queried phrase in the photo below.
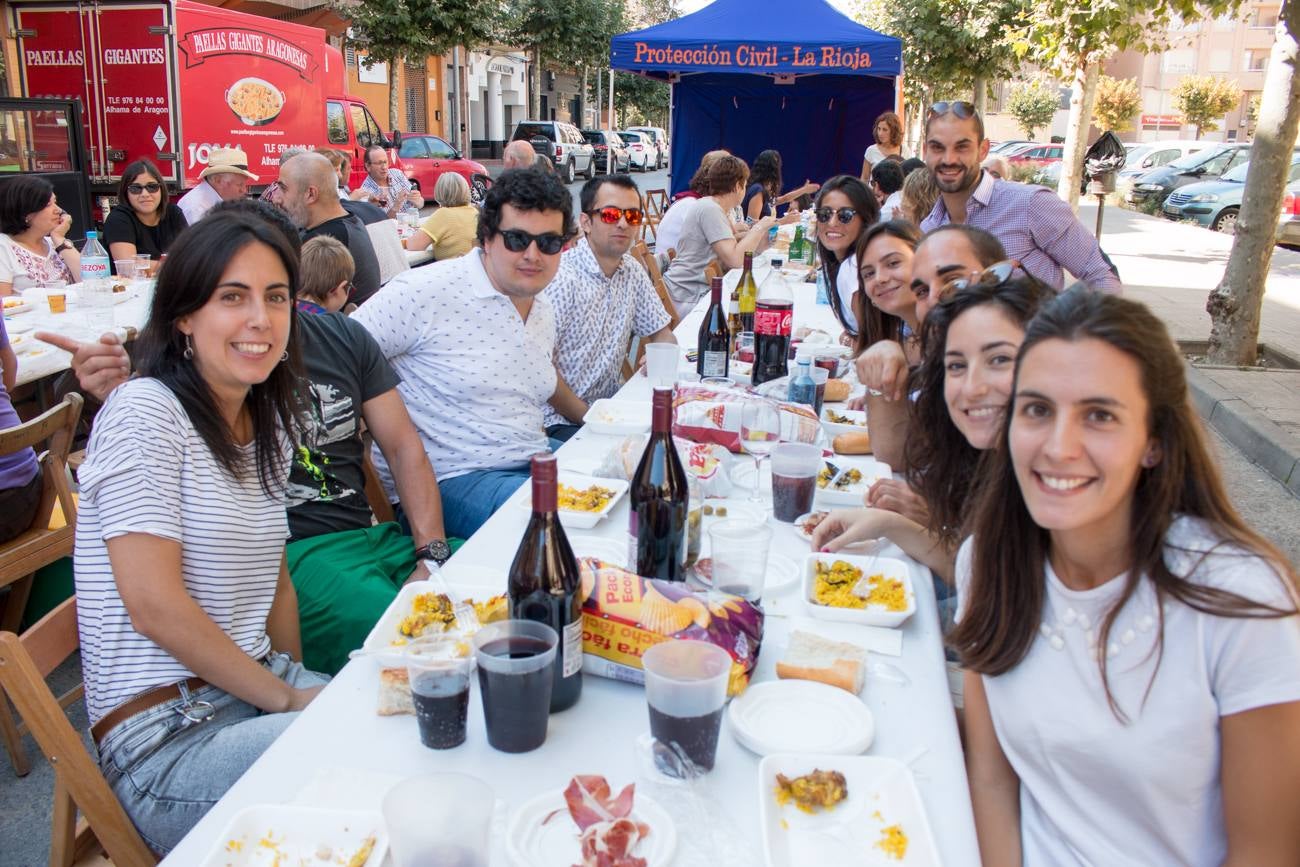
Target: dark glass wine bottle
(714, 345)
(545, 584)
(659, 500)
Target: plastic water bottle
(823, 290)
(94, 259)
(802, 387)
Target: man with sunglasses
(309, 194)
(1034, 225)
(947, 258)
(473, 341)
(601, 295)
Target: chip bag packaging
(712, 415)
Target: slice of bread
(837, 663)
(395, 692)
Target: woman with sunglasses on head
(1131, 646)
(844, 208)
(34, 248)
(188, 619)
(961, 390)
(707, 233)
(141, 222)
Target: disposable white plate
(834, 428)
(620, 417)
(781, 573)
(272, 834)
(581, 520)
(852, 495)
(872, 615)
(799, 527)
(881, 793)
(781, 716)
(594, 546)
(381, 637)
(533, 842)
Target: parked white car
(642, 150)
(660, 139)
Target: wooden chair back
(713, 269)
(641, 252)
(25, 662)
(375, 490)
(656, 202)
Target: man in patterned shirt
(601, 295)
(1033, 224)
(387, 188)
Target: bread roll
(858, 443)
(395, 692)
(837, 663)
(837, 390)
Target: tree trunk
(394, 89)
(535, 78)
(981, 94)
(582, 101)
(1235, 304)
(1082, 96)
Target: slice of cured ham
(610, 844)
(588, 797)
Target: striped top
(148, 471)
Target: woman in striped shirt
(188, 620)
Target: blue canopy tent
(801, 78)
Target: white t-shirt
(147, 470)
(890, 209)
(23, 269)
(198, 201)
(1095, 791)
(475, 376)
(846, 284)
(669, 231)
(874, 154)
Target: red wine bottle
(659, 499)
(544, 583)
(714, 345)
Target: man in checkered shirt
(1036, 227)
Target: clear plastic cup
(661, 361)
(820, 376)
(439, 819)
(439, 680)
(144, 265)
(95, 300)
(124, 268)
(794, 480)
(739, 552)
(686, 689)
(514, 660)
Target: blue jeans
(469, 500)
(168, 771)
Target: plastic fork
(466, 618)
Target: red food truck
(170, 81)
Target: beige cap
(228, 160)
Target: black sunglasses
(611, 214)
(517, 241)
(137, 189)
(961, 108)
(845, 215)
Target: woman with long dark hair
(961, 391)
(845, 207)
(142, 220)
(188, 620)
(763, 195)
(1131, 646)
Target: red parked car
(1037, 155)
(423, 158)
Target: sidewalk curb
(1258, 438)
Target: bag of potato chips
(705, 414)
(624, 614)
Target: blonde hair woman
(919, 194)
(452, 227)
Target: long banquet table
(340, 753)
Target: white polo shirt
(475, 375)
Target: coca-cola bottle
(773, 319)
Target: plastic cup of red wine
(686, 689)
(739, 551)
(514, 660)
(439, 819)
(439, 680)
(794, 480)
(820, 377)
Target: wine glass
(760, 431)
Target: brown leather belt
(144, 701)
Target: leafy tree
(1118, 100)
(1236, 303)
(571, 34)
(1074, 37)
(1032, 104)
(392, 31)
(641, 99)
(1203, 99)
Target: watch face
(438, 550)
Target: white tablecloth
(37, 359)
(340, 753)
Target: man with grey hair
(518, 155)
(310, 196)
(225, 178)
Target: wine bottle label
(714, 364)
(572, 648)
(774, 321)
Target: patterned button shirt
(594, 316)
(1036, 227)
(398, 187)
(475, 375)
